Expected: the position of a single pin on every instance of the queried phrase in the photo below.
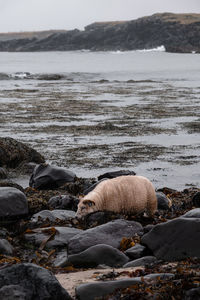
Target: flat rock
(135, 252)
(52, 216)
(174, 240)
(64, 202)
(90, 291)
(163, 202)
(49, 177)
(13, 153)
(55, 236)
(110, 175)
(143, 261)
(30, 281)
(13, 203)
(98, 254)
(110, 233)
(5, 247)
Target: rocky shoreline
(104, 256)
(178, 33)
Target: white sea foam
(157, 49)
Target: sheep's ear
(88, 202)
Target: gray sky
(26, 15)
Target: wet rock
(148, 228)
(110, 175)
(50, 177)
(135, 252)
(163, 202)
(13, 153)
(52, 216)
(174, 240)
(91, 291)
(194, 213)
(52, 236)
(5, 247)
(196, 199)
(13, 203)
(64, 202)
(110, 233)
(143, 261)
(3, 173)
(31, 282)
(98, 254)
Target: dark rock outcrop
(30, 281)
(174, 240)
(110, 175)
(46, 177)
(176, 32)
(13, 153)
(110, 233)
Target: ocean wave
(157, 49)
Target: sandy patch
(70, 280)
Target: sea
(94, 112)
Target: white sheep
(123, 194)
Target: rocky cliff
(176, 32)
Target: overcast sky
(26, 15)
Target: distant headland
(176, 32)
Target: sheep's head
(85, 207)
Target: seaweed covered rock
(51, 237)
(174, 240)
(13, 203)
(64, 202)
(110, 233)
(13, 153)
(30, 281)
(47, 177)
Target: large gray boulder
(30, 282)
(99, 254)
(13, 153)
(174, 240)
(13, 203)
(50, 177)
(110, 233)
(55, 236)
